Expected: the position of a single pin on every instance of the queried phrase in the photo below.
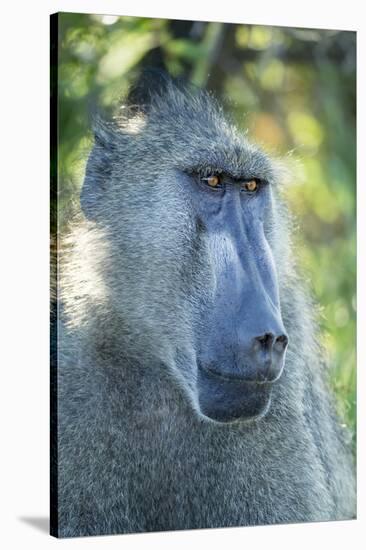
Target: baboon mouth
(237, 378)
(231, 398)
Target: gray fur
(134, 452)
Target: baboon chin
(182, 320)
(227, 400)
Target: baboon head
(186, 204)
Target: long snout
(242, 348)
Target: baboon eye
(213, 180)
(251, 186)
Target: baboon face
(187, 204)
(241, 343)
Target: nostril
(281, 342)
(265, 340)
(268, 356)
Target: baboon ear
(151, 82)
(98, 171)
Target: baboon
(192, 388)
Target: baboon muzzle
(236, 381)
(242, 353)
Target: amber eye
(251, 186)
(213, 181)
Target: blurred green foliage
(294, 89)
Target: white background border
(24, 203)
